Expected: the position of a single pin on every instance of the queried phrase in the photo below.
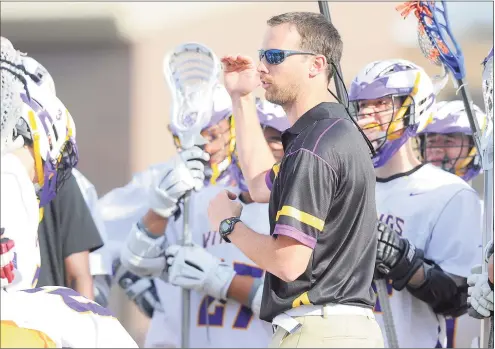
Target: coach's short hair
(318, 35)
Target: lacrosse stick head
(12, 84)
(399, 96)
(192, 72)
(447, 142)
(487, 131)
(435, 37)
(487, 85)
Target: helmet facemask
(452, 152)
(394, 115)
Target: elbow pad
(441, 292)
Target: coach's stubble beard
(281, 96)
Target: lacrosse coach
(320, 256)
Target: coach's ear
(319, 66)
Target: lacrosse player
(38, 147)
(226, 285)
(45, 152)
(99, 260)
(122, 207)
(423, 250)
(447, 143)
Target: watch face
(225, 226)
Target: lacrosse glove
(142, 291)
(183, 173)
(396, 258)
(193, 267)
(480, 294)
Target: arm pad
(441, 292)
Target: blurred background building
(106, 60)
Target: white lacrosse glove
(183, 173)
(193, 267)
(480, 294)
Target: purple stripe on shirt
(287, 230)
(268, 181)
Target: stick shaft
(339, 85)
(186, 293)
(388, 318)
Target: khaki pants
(334, 331)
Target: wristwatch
(227, 226)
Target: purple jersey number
(216, 317)
(69, 296)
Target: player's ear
(319, 66)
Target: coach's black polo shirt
(323, 195)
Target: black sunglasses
(275, 56)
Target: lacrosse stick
(191, 70)
(388, 317)
(342, 95)
(487, 162)
(12, 84)
(440, 47)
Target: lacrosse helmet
(38, 73)
(13, 82)
(452, 154)
(48, 127)
(269, 115)
(383, 83)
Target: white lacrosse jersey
(213, 324)
(19, 221)
(100, 261)
(439, 213)
(57, 317)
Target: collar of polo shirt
(318, 112)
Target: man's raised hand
(240, 75)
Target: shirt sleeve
(455, 243)
(271, 175)
(75, 220)
(306, 191)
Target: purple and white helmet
(269, 115)
(272, 115)
(451, 118)
(38, 73)
(47, 124)
(387, 80)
